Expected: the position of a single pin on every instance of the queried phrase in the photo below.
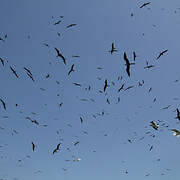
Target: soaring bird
(2, 61)
(113, 49)
(161, 53)
(145, 4)
(71, 25)
(127, 64)
(76, 143)
(57, 22)
(30, 75)
(33, 146)
(14, 72)
(71, 70)
(105, 85)
(176, 132)
(81, 119)
(28, 71)
(60, 55)
(178, 114)
(154, 125)
(57, 148)
(134, 55)
(3, 103)
(77, 84)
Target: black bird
(77, 84)
(60, 55)
(134, 55)
(14, 72)
(113, 49)
(33, 146)
(5, 36)
(57, 148)
(34, 121)
(57, 22)
(178, 114)
(2, 61)
(3, 103)
(105, 85)
(161, 53)
(1, 39)
(71, 70)
(71, 25)
(121, 88)
(107, 100)
(75, 56)
(145, 4)
(28, 70)
(128, 88)
(31, 77)
(154, 125)
(127, 64)
(81, 119)
(76, 143)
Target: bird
(35, 122)
(81, 119)
(71, 70)
(145, 4)
(2, 61)
(77, 84)
(127, 64)
(71, 25)
(57, 22)
(3, 103)
(60, 55)
(161, 53)
(76, 143)
(33, 146)
(105, 85)
(14, 72)
(178, 114)
(128, 88)
(1, 39)
(154, 125)
(57, 148)
(31, 77)
(28, 71)
(176, 132)
(121, 88)
(134, 55)
(113, 49)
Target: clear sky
(115, 140)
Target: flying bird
(57, 22)
(176, 132)
(71, 25)
(161, 53)
(113, 49)
(57, 148)
(105, 85)
(71, 70)
(28, 71)
(60, 55)
(33, 146)
(2, 61)
(178, 114)
(76, 143)
(121, 88)
(14, 72)
(154, 125)
(3, 103)
(145, 4)
(134, 55)
(77, 84)
(127, 64)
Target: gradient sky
(104, 148)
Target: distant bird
(1, 39)
(33, 146)
(28, 70)
(105, 85)
(128, 88)
(107, 100)
(31, 77)
(71, 25)
(60, 55)
(161, 53)
(150, 89)
(77, 84)
(148, 66)
(57, 22)
(118, 100)
(134, 55)
(151, 148)
(127, 64)
(2, 61)
(121, 88)
(75, 56)
(57, 148)
(14, 72)
(154, 125)
(178, 114)
(60, 104)
(71, 70)
(166, 107)
(176, 132)
(47, 76)
(81, 119)
(3, 103)
(47, 45)
(58, 33)
(77, 160)
(35, 122)
(5, 36)
(145, 4)
(76, 143)
(113, 49)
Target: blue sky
(103, 147)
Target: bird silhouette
(145, 4)
(71, 25)
(161, 53)
(113, 49)
(33, 146)
(105, 85)
(176, 132)
(71, 70)
(3, 103)
(134, 55)
(178, 114)
(57, 22)
(2, 61)
(60, 55)
(14, 72)
(154, 125)
(57, 148)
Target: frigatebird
(33, 146)
(113, 49)
(60, 55)
(14, 72)
(161, 53)
(71, 70)
(145, 4)
(3, 103)
(57, 148)
(71, 25)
